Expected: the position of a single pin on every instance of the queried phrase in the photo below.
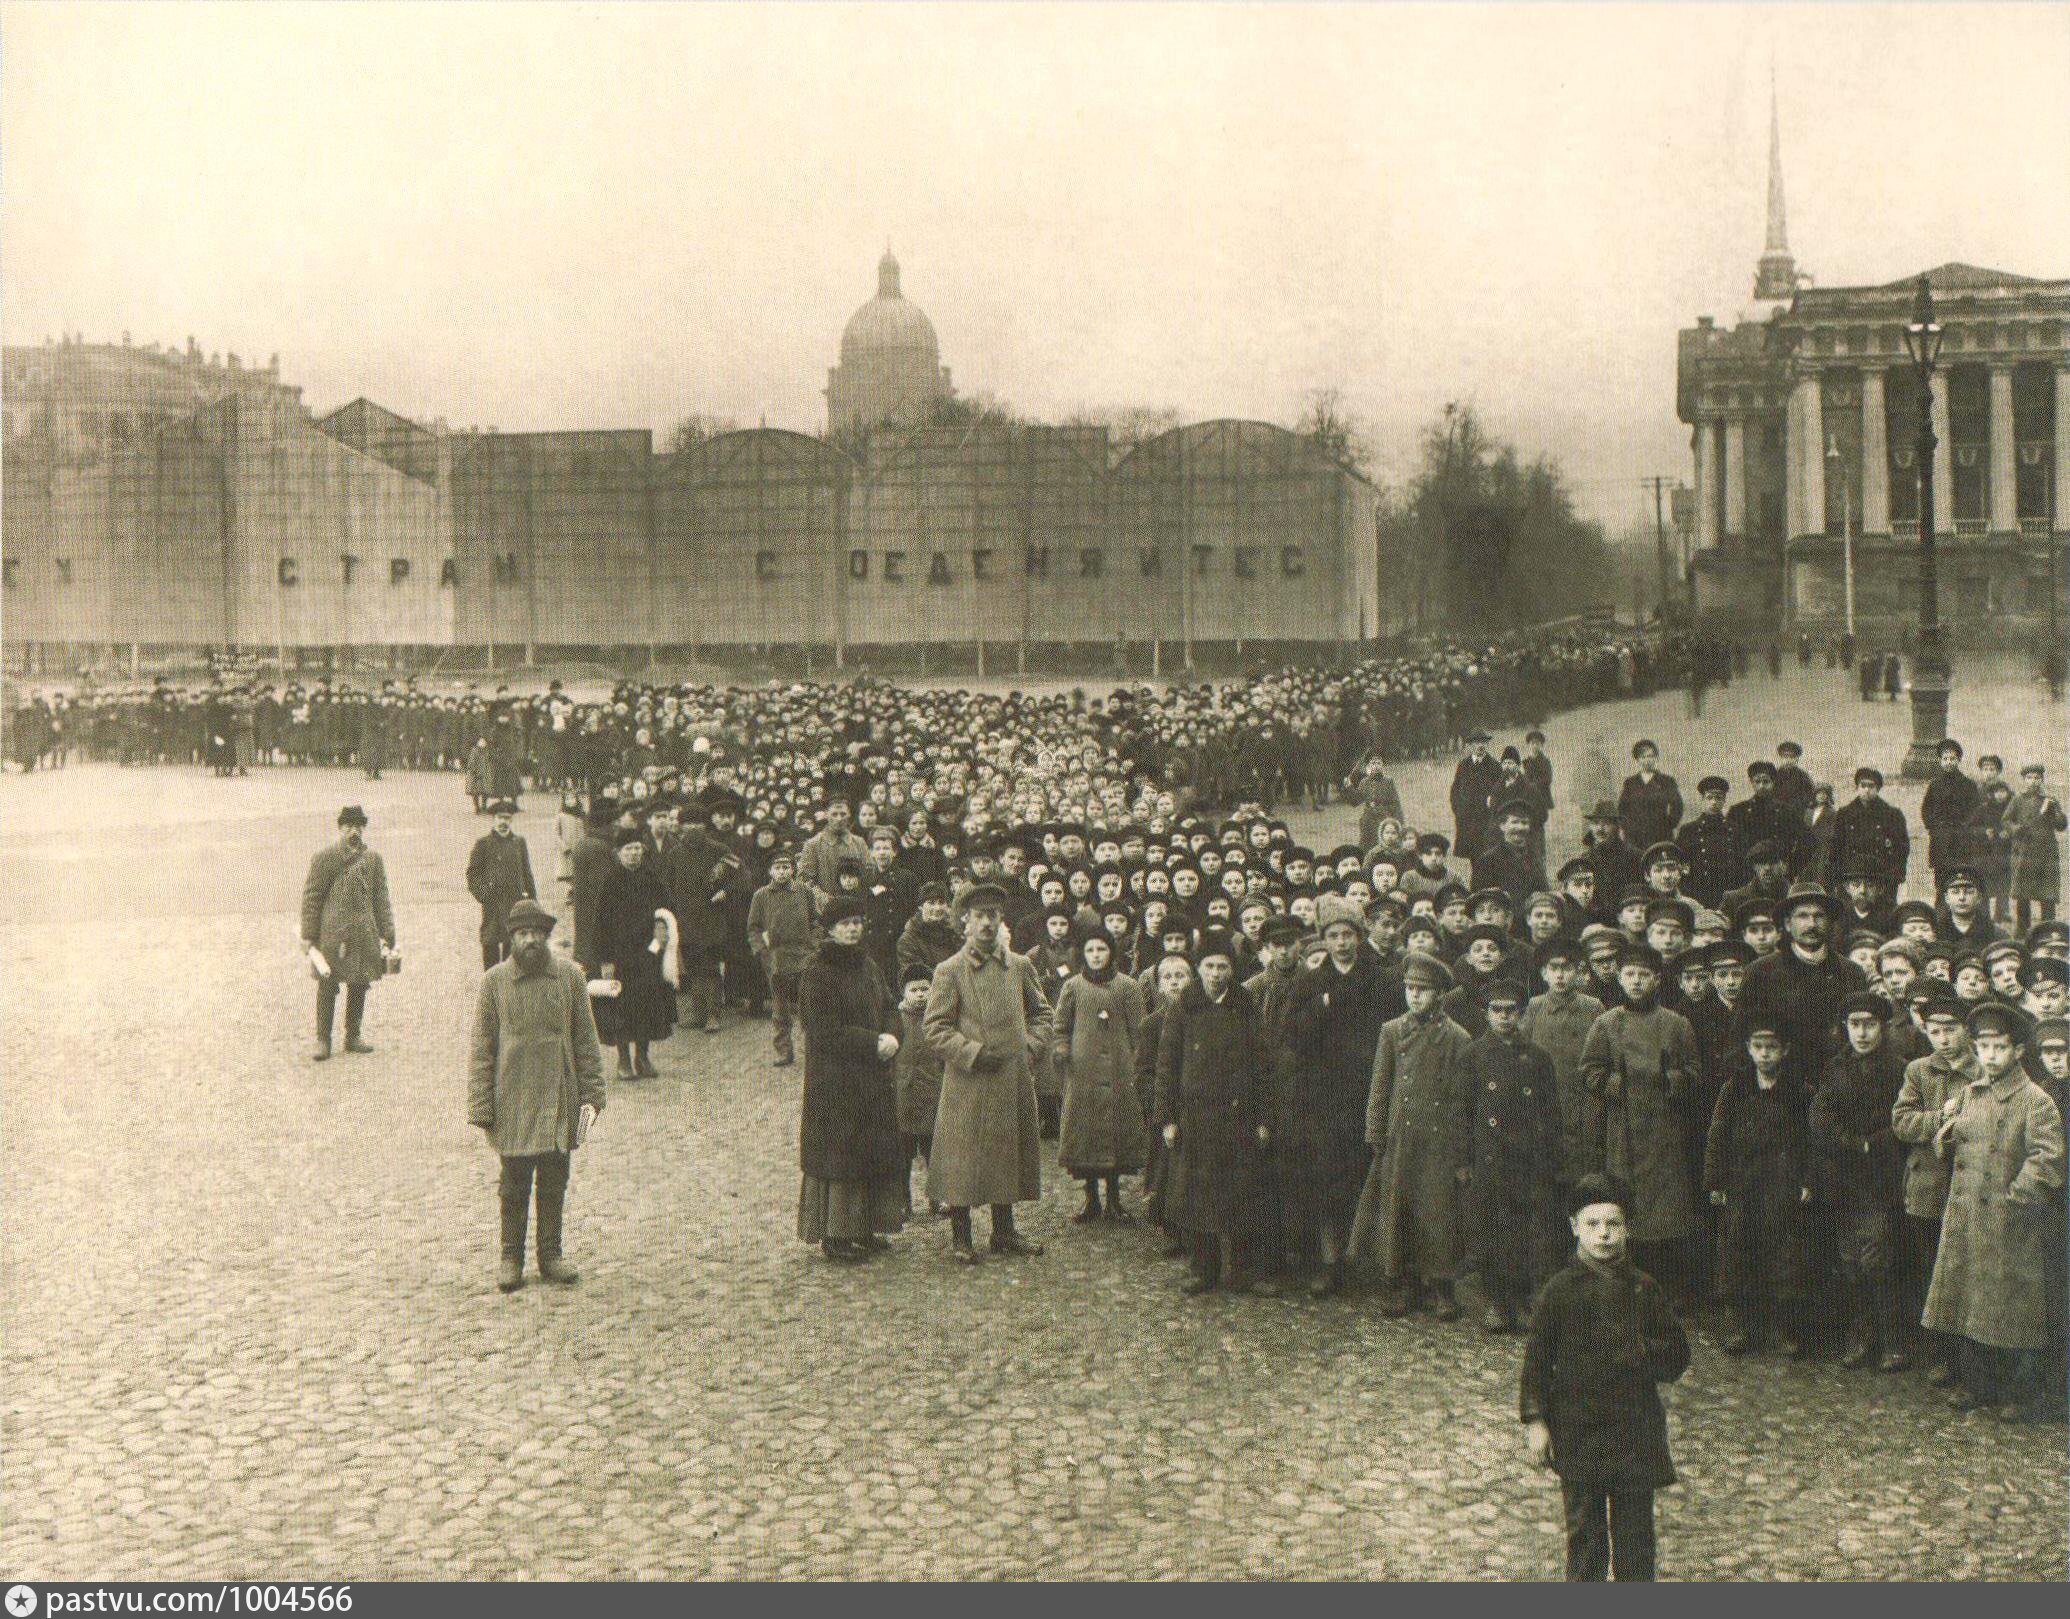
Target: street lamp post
(1930, 673)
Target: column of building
(1735, 477)
(1808, 457)
(1704, 443)
(1875, 512)
(2004, 488)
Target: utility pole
(1660, 545)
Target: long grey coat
(2032, 823)
(1641, 1066)
(1092, 1047)
(534, 1059)
(987, 1140)
(1419, 1123)
(1990, 1281)
(346, 914)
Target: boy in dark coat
(1860, 1163)
(1757, 1170)
(1512, 1191)
(1602, 1337)
(1213, 1101)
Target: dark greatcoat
(1332, 1021)
(1601, 1339)
(589, 863)
(1758, 1154)
(1713, 854)
(1211, 1083)
(1951, 799)
(1650, 810)
(848, 1122)
(696, 870)
(1471, 786)
(645, 1006)
(1514, 1233)
(346, 914)
(1869, 835)
(499, 874)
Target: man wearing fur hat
(535, 1081)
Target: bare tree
(1128, 426)
(1342, 436)
(694, 429)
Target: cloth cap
(1420, 967)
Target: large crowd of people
(1826, 1115)
(998, 917)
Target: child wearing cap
(1931, 1084)
(780, 932)
(2003, 1140)
(917, 1071)
(1640, 1062)
(1418, 1123)
(1557, 1023)
(1602, 1339)
(1513, 1188)
(1757, 1172)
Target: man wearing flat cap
(535, 1082)
(988, 1021)
(1951, 799)
(348, 922)
(1509, 863)
(1869, 835)
(1760, 817)
(1710, 848)
(1610, 852)
(1804, 983)
(499, 874)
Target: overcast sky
(612, 215)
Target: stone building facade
(1803, 417)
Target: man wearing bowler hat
(347, 921)
(535, 1082)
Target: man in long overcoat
(346, 916)
(1473, 785)
(534, 1066)
(499, 874)
(988, 1021)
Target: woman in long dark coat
(854, 1184)
(644, 1009)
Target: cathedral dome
(888, 323)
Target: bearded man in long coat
(988, 1021)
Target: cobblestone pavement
(251, 1329)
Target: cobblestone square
(251, 1327)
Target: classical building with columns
(1803, 417)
